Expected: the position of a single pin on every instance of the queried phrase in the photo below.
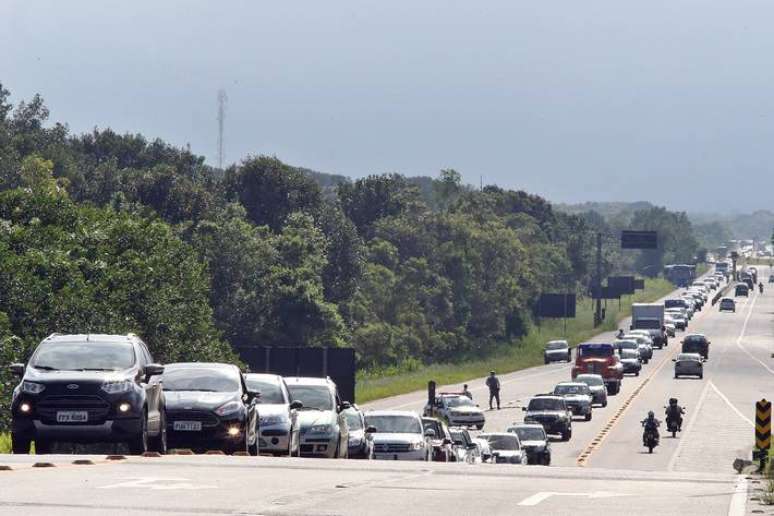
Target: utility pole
(598, 283)
(222, 98)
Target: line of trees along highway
(103, 232)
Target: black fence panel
(338, 363)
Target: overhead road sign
(556, 305)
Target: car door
(251, 404)
(292, 415)
(153, 392)
(341, 420)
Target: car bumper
(209, 437)
(689, 371)
(477, 420)
(274, 439)
(409, 455)
(552, 427)
(319, 446)
(600, 397)
(115, 430)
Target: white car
(457, 409)
(398, 435)
(277, 415)
(506, 448)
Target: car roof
(200, 365)
(307, 380)
(487, 434)
(526, 425)
(727, 299)
(558, 342)
(402, 413)
(686, 356)
(571, 383)
(91, 337)
(263, 376)
(698, 335)
(549, 396)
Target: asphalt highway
(603, 469)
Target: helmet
(651, 414)
(673, 401)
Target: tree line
(107, 232)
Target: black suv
(87, 389)
(551, 412)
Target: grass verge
(523, 353)
(5, 442)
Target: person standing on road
(494, 389)
(466, 392)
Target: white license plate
(187, 426)
(71, 416)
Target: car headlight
(117, 387)
(273, 420)
(418, 445)
(320, 429)
(32, 387)
(228, 408)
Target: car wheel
(20, 445)
(636, 373)
(139, 443)
(588, 416)
(701, 376)
(604, 403)
(159, 443)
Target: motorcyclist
(650, 424)
(620, 334)
(675, 411)
(760, 287)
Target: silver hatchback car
(689, 364)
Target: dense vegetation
(103, 232)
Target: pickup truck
(599, 359)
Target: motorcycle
(650, 438)
(760, 287)
(672, 423)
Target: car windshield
(670, 303)
(502, 441)
(545, 404)
(529, 433)
(591, 380)
(628, 353)
(200, 379)
(271, 391)
(353, 419)
(571, 389)
(457, 436)
(628, 344)
(312, 396)
(694, 339)
(682, 357)
(84, 356)
(390, 424)
(460, 401)
(556, 345)
(595, 351)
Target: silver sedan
(689, 364)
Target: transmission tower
(222, 99)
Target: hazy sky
(669, 101)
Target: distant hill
(758, 224)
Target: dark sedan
(209, 407)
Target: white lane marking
(542, 496)
(731, 405)
(741, 336)
(688, 427)
(158, 484)
(738, 504)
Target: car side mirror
(370, 430)
(523, 409)
(253, 396)
(345, 405)
(16, 369)
(153, 370)
(296, 404)
(674, 360)
(430, 433)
